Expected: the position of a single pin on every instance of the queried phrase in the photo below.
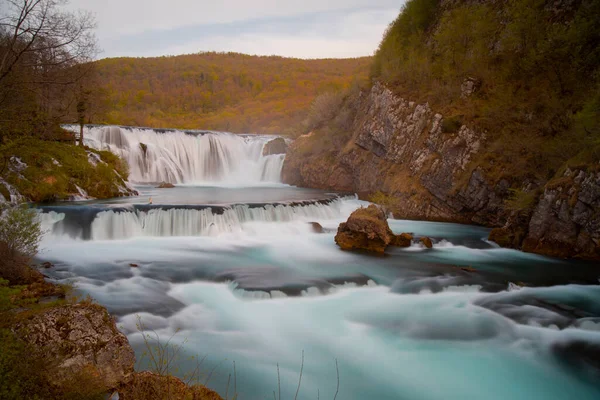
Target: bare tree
(42, 49)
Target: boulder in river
(426, 242)
(275, 146)
(317, 227)
(402, 240)
(165, 185)
(366, 229)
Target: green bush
(521, 201)
(21, 375)
(20, 236)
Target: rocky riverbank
(424, 165)
(57, 347)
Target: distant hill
(220, 91)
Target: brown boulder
(402, 240)
(80, 337)
(275, 146)
(366, 229)
(165, 185)
(426, 242)
(148, 385)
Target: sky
(301, 28)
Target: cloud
(308, 29)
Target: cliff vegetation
(477, 112)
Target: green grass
(54, 169)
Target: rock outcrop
(275, 146)
(367, 229)
(566, 220)
(399, 147)
(429, 166)
(165, 185)
(80, 337)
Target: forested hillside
(482, 112)
(220, 91)
(532, 66)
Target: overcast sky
(301, 28)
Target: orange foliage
(220, 91)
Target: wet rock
(579, 352)
(133, 265)
(366, 229)
(144, 148)
(149, 385)
(165, 185)
(47, 265)
(426, 242)
(275, 146)
(317, 227)
(80, 337)
(402, 240)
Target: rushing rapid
(188, 157)
(252, 275)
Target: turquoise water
(260, 288)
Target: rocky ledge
(565, 222)
(80, 337)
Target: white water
(115, 225)
(177, 157)
(389, 345)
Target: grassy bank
(45, 171)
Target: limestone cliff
(428, 167)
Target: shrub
(451, 125)
(20, 235)
(323, 109)
(520, 201)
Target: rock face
(566, 220)
(400, 148)
(80, 337)
(469, 86)
(275, 146)
(367, 229)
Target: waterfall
(123, 223)
(188, 157)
